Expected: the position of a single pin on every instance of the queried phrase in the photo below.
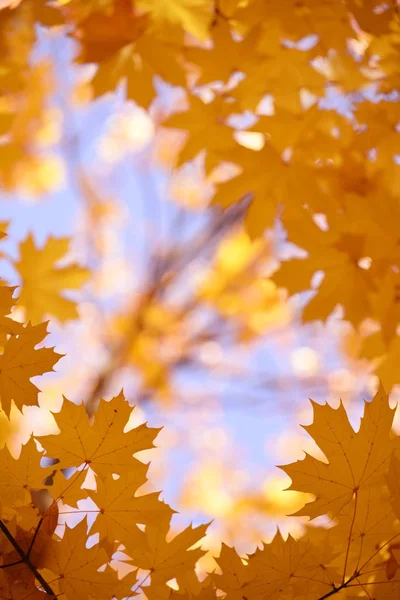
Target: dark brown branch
(336, 590)
(25, 559)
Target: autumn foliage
(288, 113)
(90, 465)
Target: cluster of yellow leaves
(25, 87)
(237, 287)
(34, 499)
(43, 281)
(162, 335)
(42, 286)
(71, 500)
(330, 175)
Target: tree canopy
(278, 124)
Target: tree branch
(336, 590)
(173, 262)
(25, 559)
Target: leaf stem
(34, 536)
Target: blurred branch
(165, 268)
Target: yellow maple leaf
(72, 568)
(386, 305)
(43, 282)
(117, 40)
(120, 511)
(206, 592)
(19, 362)
(234, 574)
(103, 445)
(18, 476)
(203, 122)
(285, 566)
(335, 252)
(268, 179)
(68, 490)
(384, 359)
(264, 75)
(349, 487)
(136, 65)
(192, 15)
(393, 481)
(355, 460)
(369, 18)
(7, 325)
(226, 54)
(171, 559)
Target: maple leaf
(7, 325)
(356, 460)
(137, 64)
(102, 35)
(386, 305)
(19, 590)
(348, 488)
(269, 179)
(235, 575)
(103, 446)
(284, 566)
(123, 587)
(19, 362)
(206, 592)
(34, 544)
(263, 75)
(309, 135)
(43, 282)
(369, 18)
(18, 476)
(37, 518)
(384, 358)
(74, 567)
(68, 490)
(337, 254)
(117, 40)
(203, 121)
(171, 559)
(120, 511)
(193, 15)
(226, 53)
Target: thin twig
(13, 564)
(34, 536)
